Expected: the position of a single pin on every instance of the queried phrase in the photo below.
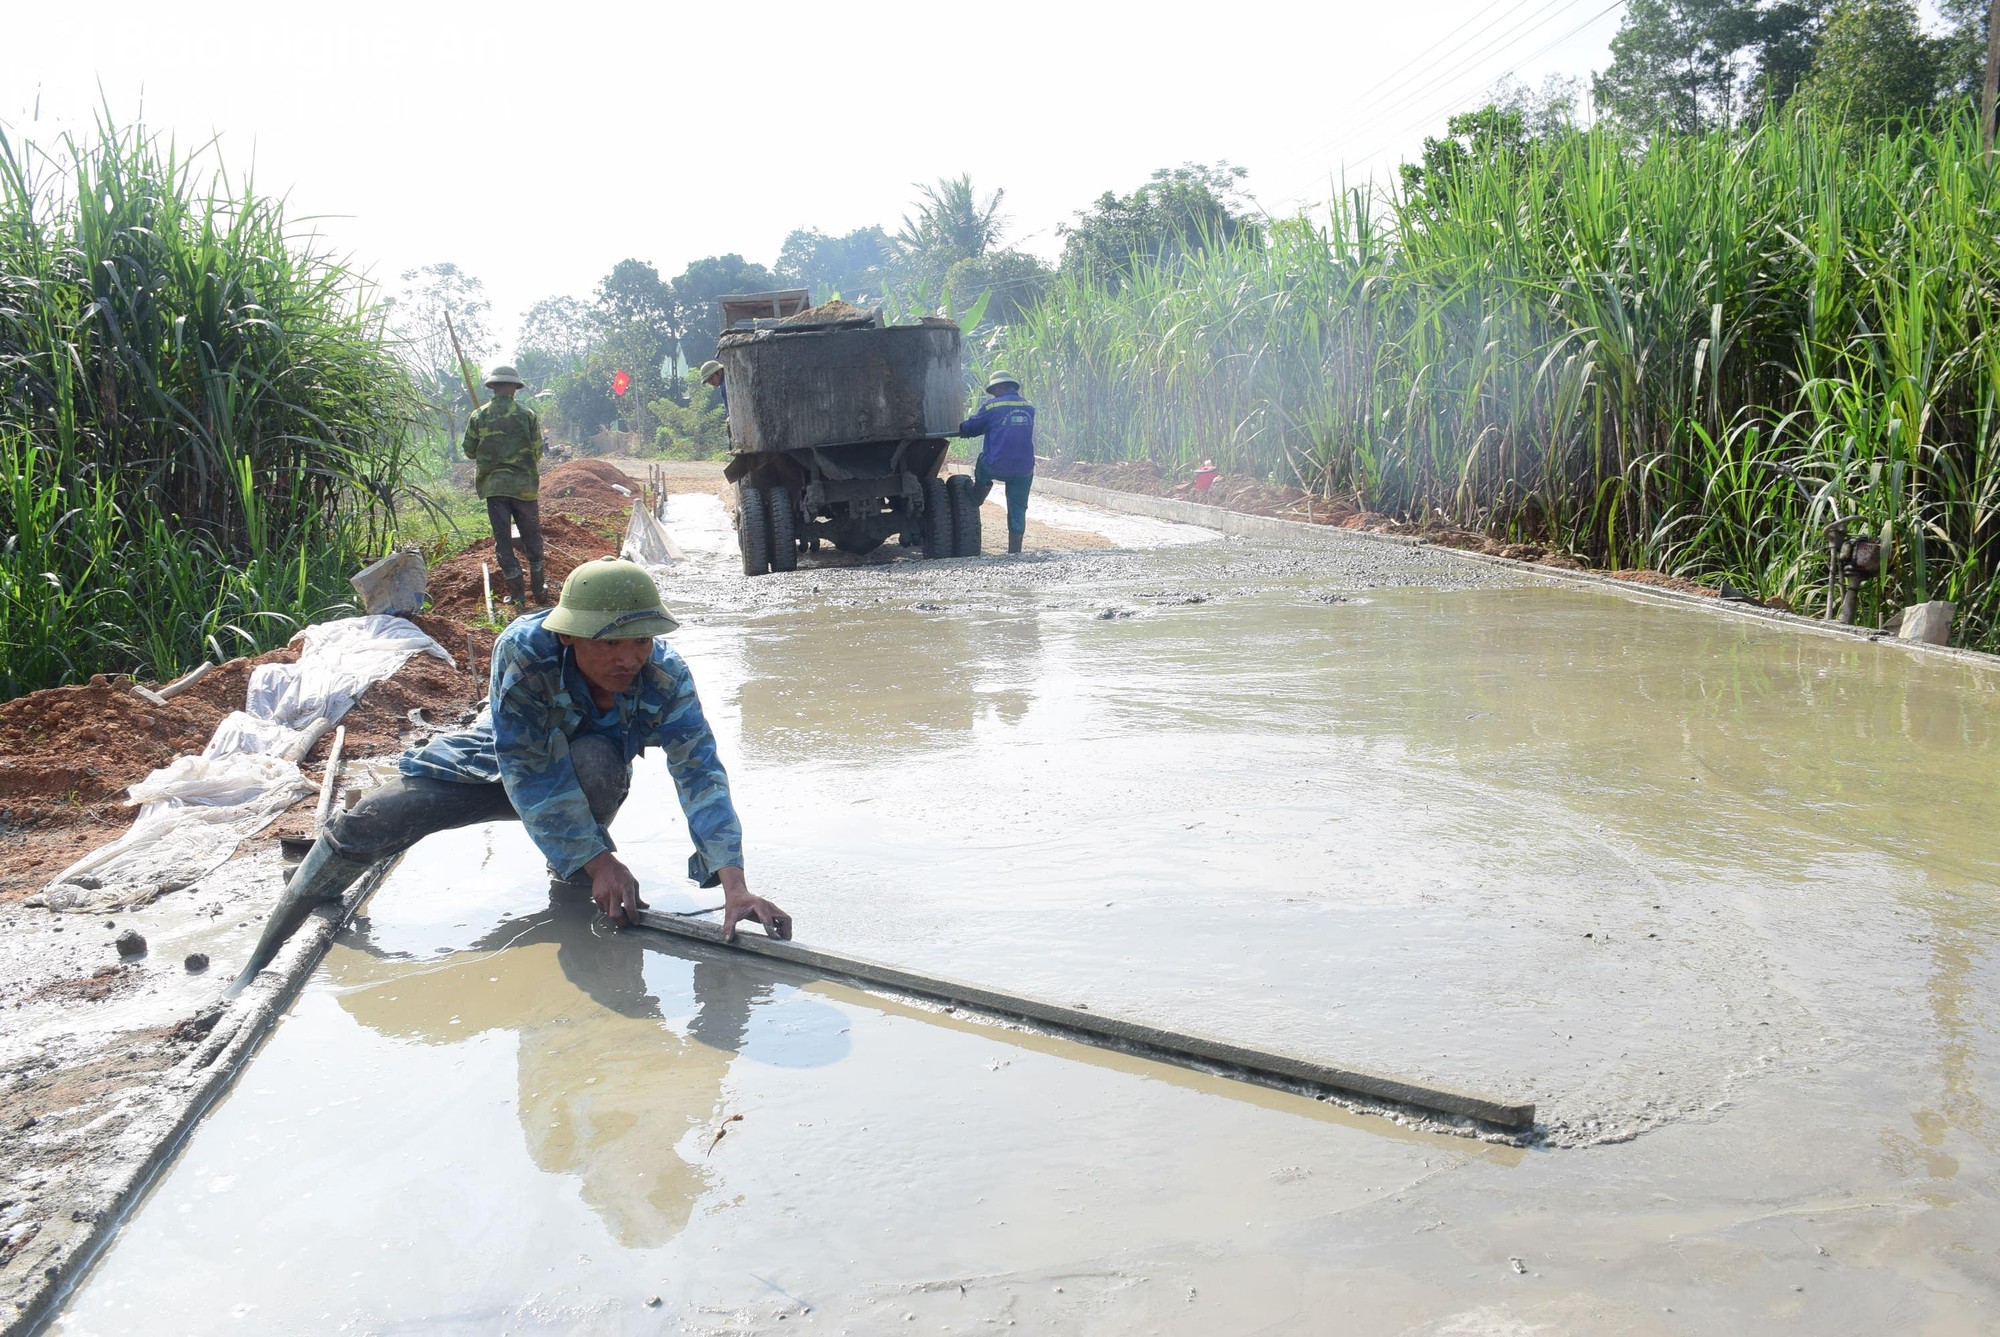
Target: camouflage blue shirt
(538, 702)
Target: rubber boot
(538, 577)
(1014, 537)
(323, 876)
(515, 589)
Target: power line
(1431, 115)
(1388, 144)
(1402, 77)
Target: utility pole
(1990, 92)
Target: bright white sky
(537, 145)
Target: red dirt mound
(588, 490)
(458, 593)
(68, 754)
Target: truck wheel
(784, 529)
(937, 518)
(753, 530)
(964, 516)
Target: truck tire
(937, 519)
(964, 516)
(784, 529)
(753, 530)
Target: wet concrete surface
(1718, 896)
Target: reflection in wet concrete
(605, 1088)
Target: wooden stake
(330, 785)
(464, 369)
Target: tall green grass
(201, 427)
(1691, 355)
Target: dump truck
(838, 428)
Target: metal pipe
(1286, 1072)
(179, 685)
(303, 745)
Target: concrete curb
(1235, 524)
(188, 1092)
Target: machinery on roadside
(838, 429)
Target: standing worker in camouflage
(578, 692)
(505, 439)
(1007, 421)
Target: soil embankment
(68, 754)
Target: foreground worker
(504, 438)
(578, 692)
(1007, 421)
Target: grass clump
(202, 430)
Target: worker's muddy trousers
(983, 480)
(402, 812)
(506, 514)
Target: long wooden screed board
(1265, 1067)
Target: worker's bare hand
(738, 904)
(614, 888)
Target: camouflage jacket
(539, 701)
(505, 438)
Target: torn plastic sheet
(196, 811)
(647, 541)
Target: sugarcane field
(669, 702)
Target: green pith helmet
(1000, 378)
(504, 374)
(610, 600)
(708, 369)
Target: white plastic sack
(214, 782)
(340, 661)
(196, 811)
(647, 541)
(242, 732)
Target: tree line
(949, 254)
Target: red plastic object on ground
(1204, 477)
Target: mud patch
(95, 987)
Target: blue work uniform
(540, 703)
(1007, 422)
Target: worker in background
(578, 691)
(1007, 421)
(504, 438)
(711, 375)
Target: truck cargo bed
(812, 388)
